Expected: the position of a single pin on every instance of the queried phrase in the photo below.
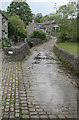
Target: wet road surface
(49, 81)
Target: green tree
(66, 16)
(38, 18)
(16, 26)
(68, 10)
(21, 9)
(46, 18)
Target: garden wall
(67, 57)
(35, 41)
(17, 52)
(54, 34)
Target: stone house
(3, 26)
(32, 27)
(51, 25)
(46, 27)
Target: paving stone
(11, 117)
(42, 113)
(23, 98)
(34, 116)
(39, 110)
(6, 110)
(24, 105)
(61, 116)
(17, 111)
(24, 111)
(37, 106)
(31, 109)
(24, 108)
(17, 115)
(33, 113)
(43, 116)
(52, 116)
(25, 116)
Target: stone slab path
(23, 98)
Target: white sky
(47, 1)
(38, 6)
(65, 1)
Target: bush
(6, 42)
(38, 34)
(62, 36)
(22, 35)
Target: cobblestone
(16, 101)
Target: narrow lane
(49, 81)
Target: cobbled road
(39, 87)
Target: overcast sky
(38, 6)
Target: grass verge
(71, 47)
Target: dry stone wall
(67, 57)
(17, 52)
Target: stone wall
(54, 34)
(34, 41)
(17, 52)
(67, 57)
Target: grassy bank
(70, 47)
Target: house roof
(55, 26)
(47, 23)
(42, 27)
(3, 14)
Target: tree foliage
(38, 18)
(21, 9)
(67, 20)
(16, 26)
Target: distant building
(32, 27)
(3, 26)
(46, 27)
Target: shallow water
(49, 80)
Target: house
(3, 26)
(46, 27)
(32, 27)
(51, 25)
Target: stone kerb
(67, 57)
(17, 52)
